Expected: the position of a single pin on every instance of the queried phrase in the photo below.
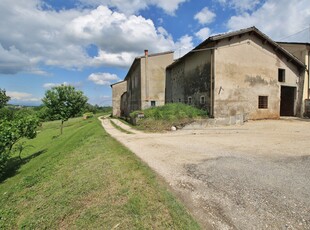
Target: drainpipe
(308, 67)
(146, 54)
(211, 85)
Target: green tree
(64, 102)
(3, 98)
(12, 131)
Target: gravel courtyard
(251, 176)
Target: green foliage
(11, 131)
(3, 98)
(163, 117)
(171, 112)
(6, 114)
(64, 102)
(88, 115)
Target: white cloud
(30, 37)
(51, 85)
(240, 5)
(23, 97)
(203, 34)
(133, 6)
(205, 16)
(183, 46)
(103, 78)
(277, 19)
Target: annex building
(238, 75)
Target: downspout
(308, 74)
(146, 54)
(212, 85)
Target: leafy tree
(3, 98)
(64, 102)
(6, 114)
(12, 131)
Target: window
(180, 100)
(153, 103)
(189, 100)
(281, 75)
(202, 100)
(263, 102)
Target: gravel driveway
(252, 176)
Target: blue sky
(90, 44)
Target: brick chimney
(146, 53)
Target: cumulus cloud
(21, 96)
(203, 34)
(183, 46)
(277, 19)
(205, 16)
(103, 78)
(240, 5)
(133, 6)
(51, 85)
(31, 36)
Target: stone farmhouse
(238, 75)
(302, 52)
(144, 84)
(235, 76)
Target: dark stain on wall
(197, 80)
(257, 80)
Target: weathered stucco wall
(302, 52)
(246, 68)
(190, 78)
(153, 71)
(117, 90)
(134, 87)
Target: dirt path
(254, 176)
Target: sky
(91, 44)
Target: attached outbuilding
(146, 82)
(118, 89)
(238, 75)
(302, 52)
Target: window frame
(262, 102)
(281, 75)
(202, 102)
(189, 99)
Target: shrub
(171, 112)
(88, 115)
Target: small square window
(202, 100)
(153, 103)
(281, 75)
(263, 102)
(189, 100)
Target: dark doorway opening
(287, 101)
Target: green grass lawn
(84, 179)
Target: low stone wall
(232, 120)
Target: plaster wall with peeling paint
(246, 68)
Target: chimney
(146, 53)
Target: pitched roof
(116, 83)
(295, 43)
(210, 43)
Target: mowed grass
(84, 179)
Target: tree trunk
(61, 127)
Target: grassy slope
(84, 179)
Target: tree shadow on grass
(14, 163)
